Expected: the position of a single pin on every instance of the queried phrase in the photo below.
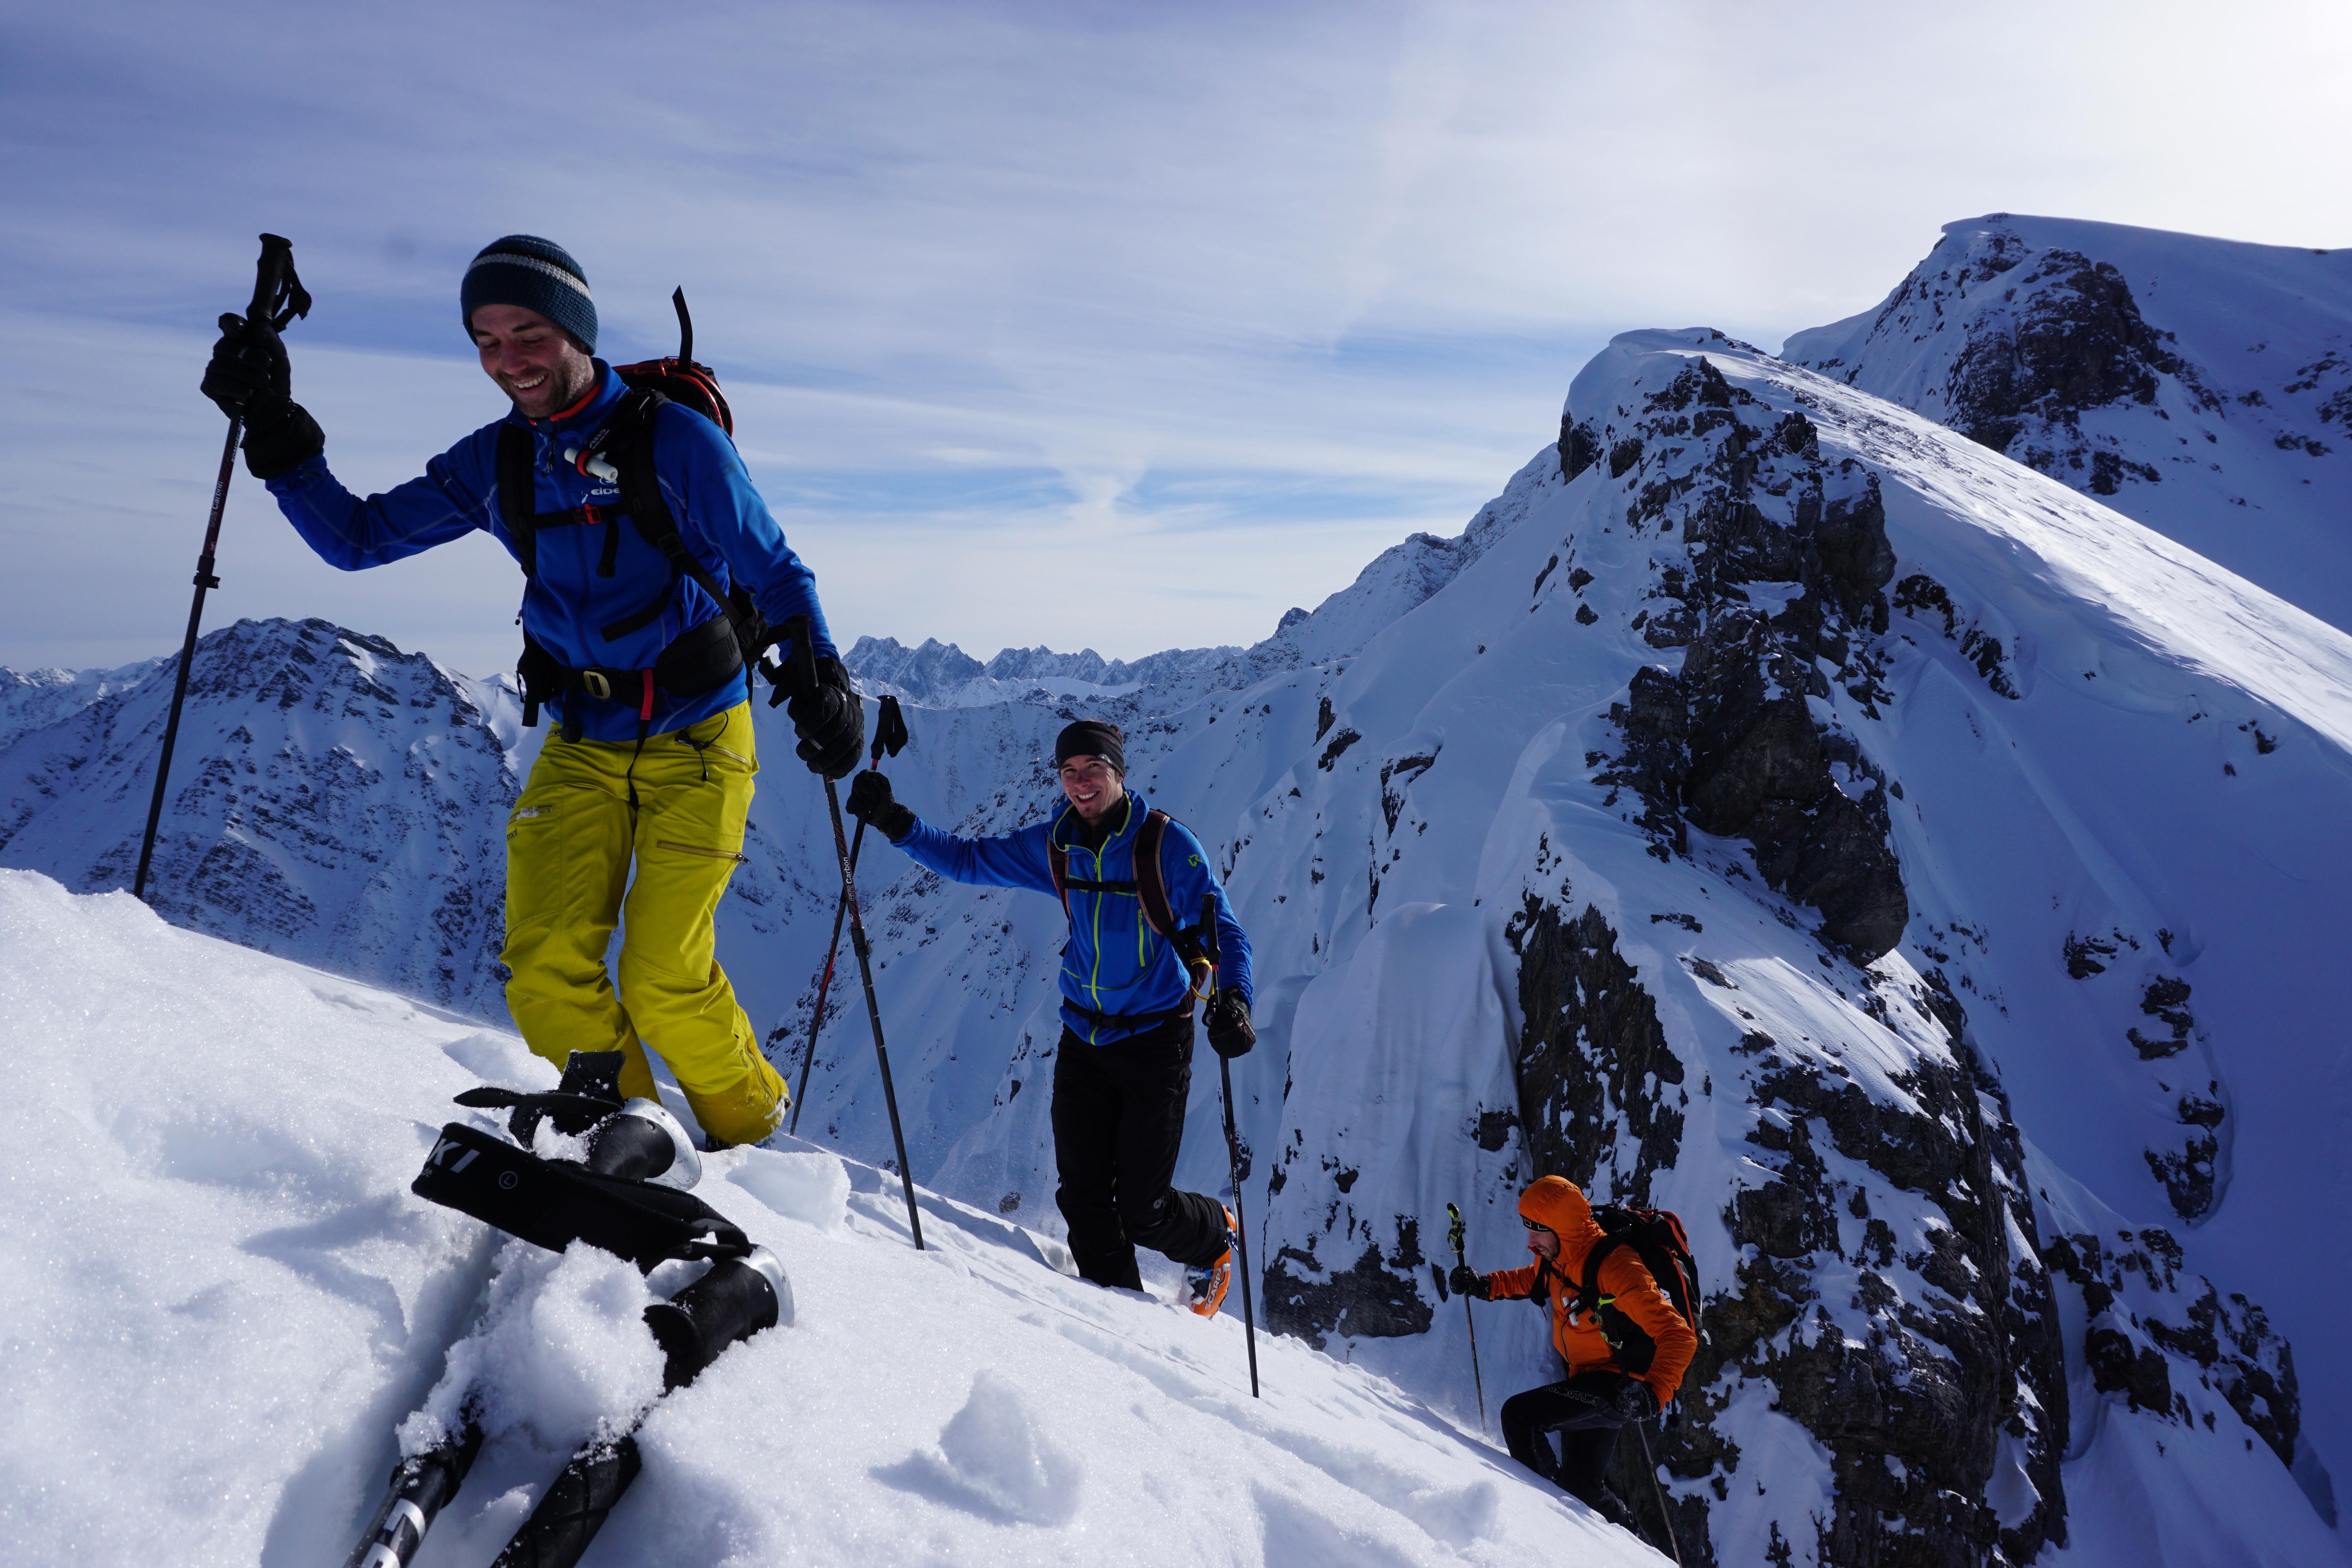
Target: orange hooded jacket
(1556, 1202)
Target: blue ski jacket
(720, 516)
(1114, 966)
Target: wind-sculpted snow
(2200, 386)
(224, 1307)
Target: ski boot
(1206, 1285)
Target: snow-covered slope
(222, 1300)
(1904, 866)
(1921, 875)
(2200, 386)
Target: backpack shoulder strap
(629, 446)
(517, 503)
(1151, 877)
(1589, 1289)
(1057, 862)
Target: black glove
(830, 720)
(1636, 1402)
(870, 802)
(1231, 1034)
(279, 437)
(1467, 1281)
(248, 362)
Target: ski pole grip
(278, 293)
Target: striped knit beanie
(536, 274)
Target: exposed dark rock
(2075, 342)
(1919, 592)
(1913, 1416)
(2227, 1344)
(1728, 741)
(1590, 1048)
(2082, 956)
(1376, 1298)
(1578, 447)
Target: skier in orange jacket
(1600, 1395)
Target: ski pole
(1241, 1221)
(1454, 1235)
(889, 735)
(278, 298)
(1233, 1154)
(804, 658)
(1641, 1429)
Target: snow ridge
(2200, 386)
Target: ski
(626, 1197)
(737, 1299)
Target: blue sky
(1087, 324)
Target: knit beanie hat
(536, 274)
(1090, 738)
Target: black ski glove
(279, 437)
(871, 803)
(1636, 1402)
(248, 362)
(1230, 1030)
(830, 720)
(1467, 1281)
(250, 378)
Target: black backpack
(622, 449)
(1657, 1237)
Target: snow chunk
(562, 1354)
(996, 1451)
(811, 1187)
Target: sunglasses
(1533, 1225)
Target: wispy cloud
(1196, 305)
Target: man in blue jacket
(1123, 1071)
(652, 769)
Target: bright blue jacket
(1113, 964)
(720, 516)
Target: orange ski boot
(1209, 1283)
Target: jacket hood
(1560, 1205)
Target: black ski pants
(1118, 1120)
(1583, 1411)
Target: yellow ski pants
(676, 807)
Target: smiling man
(1126, 875)
(642, 638)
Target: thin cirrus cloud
(1082, 324)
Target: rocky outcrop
(1787, 561)
(2074, 342)
(1590, 1050)
(1959, 1368)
